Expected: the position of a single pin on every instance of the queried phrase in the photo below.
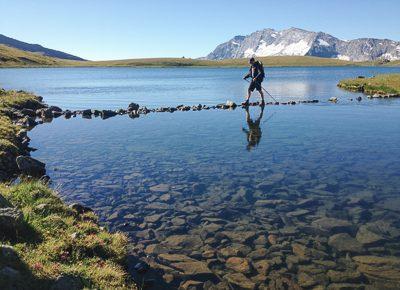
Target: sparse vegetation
(380, 84)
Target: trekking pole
(264, 91)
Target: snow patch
(398, 48)
(389, 56)
(249, 52)
(274, 35)
(235, 43)
(297, 48)
(343, 57)
(323, 42)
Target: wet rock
(238, 264)
(184, 241)
(240, 237)
(262, 267)
(133, 107)
(235, 250)
(379, 268)
(258, 254)
(87, 113)
(372, 234)
(67, 114)
(105, 114)
(343, 242)
(359, 99)
(231, 104)
(333, 100)
(193, 269)
(45, 113)
(345, 286)
(332, 225)
(239, 280)
(191, 285)
(306, 280)
(30, 166)
(344, 277)
(153, 218)
(160, 188)
(67, 282)
(79, 208)
(273, 239)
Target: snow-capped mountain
(295, 41)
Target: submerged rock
(239, 280)
(343, 242)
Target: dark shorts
(255, 85)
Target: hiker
(254, 132)
(257, 75)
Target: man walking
(257, 75)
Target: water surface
(291, 196)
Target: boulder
(28, 112)
(87, 113)
(7, 253)
(10, 219)
(333, 100)
(133, 107)
(380, 268)
(105, 114)
(55, 109)
(4, 202)
(30, 166)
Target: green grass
(56, 241)
(380, 84)
(46, 245)
(11, 57)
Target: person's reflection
(254, 132)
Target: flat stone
(343, 242)
(153, 218)
(240, 280)
(345, 286)
(240, 237)
(238, 264)
(332, 225)
(175, 258)
(346, 276)
(160, 187)
(379, 268)
(193, 269)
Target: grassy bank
(380, 84)
(11, 57)
(51, 243)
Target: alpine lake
(288, 197)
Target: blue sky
(97, 29)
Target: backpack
(262, 72)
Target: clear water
(103, 88)
(313, 191)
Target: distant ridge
(36, 48)
(300, 42)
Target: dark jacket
(256, 72)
